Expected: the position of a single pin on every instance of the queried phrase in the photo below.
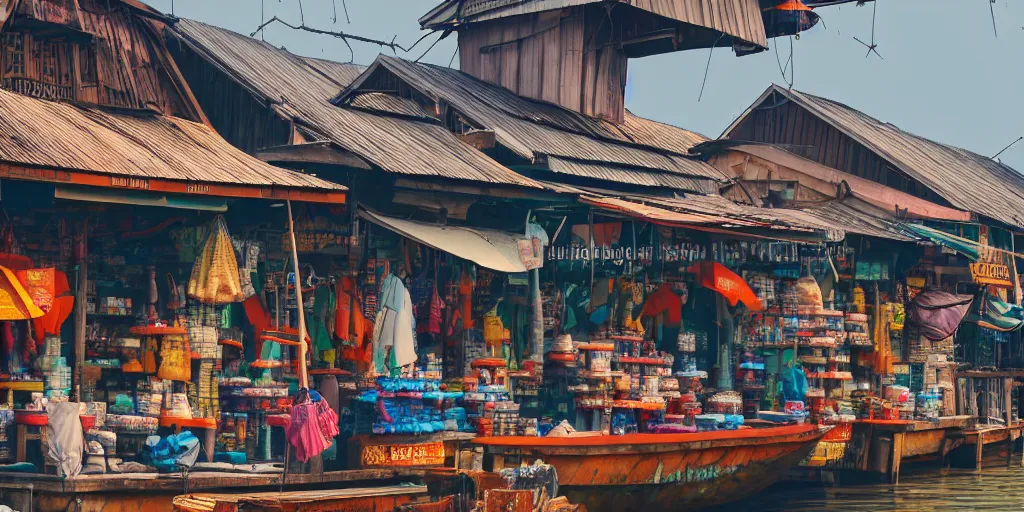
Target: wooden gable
(776, 121)
(91, 51)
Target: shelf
(489, 362)
(153, 330)
(645, 361)
(596, 347)
(831, 376)
(169, 421)
(23, 385)
(628, 339)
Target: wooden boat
(645, 472)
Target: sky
(944, 75)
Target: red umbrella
(726, 282)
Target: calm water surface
(997, 487)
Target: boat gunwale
(644, 442)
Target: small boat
(646, 472)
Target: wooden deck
(368, 499)
(155, 492)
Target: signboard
(531, 253)
(319, 236)
(992, 268)
(427, 454)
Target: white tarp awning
(496, 250)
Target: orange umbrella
(792, 5)
(724, 281)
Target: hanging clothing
(394, 331)
(466, 300)
(664, 300)
(882, 362)
(316, 321)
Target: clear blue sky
(944, 76)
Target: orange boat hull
(648, 472)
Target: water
(921, 488)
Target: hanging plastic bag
(494, 329)
(175, 359)
(215, 278)
(808, 293)
(305, 431)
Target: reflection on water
(924, 488)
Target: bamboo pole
(303, 376)
(82, 283)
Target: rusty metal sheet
(740, 19)
(632, 175)
(140, 145)
(300, 90)
(532, 129)
(965, 179)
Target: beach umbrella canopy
(715, 276)
(15, 302)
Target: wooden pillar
(1009, 447)
(979, 449)
(1008, 401)
(897, 457)
(82, 285)
(972, 399)
(536, 340)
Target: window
(50, 71)
(87, 63)
(14, 54)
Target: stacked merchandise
(858, 333)
(56, 372)
(929, 405)
(507, 421)
(593, 385)
(724, 411)
(7, 435)
(901, 397)
(411, 406)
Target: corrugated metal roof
(738, 18)
(967, 180)
(631, 175)
(530, 128)
(661, 214)
(660, 135)
(342, 73)
(306, 85)
(853, 218)
(139, 144)
(389, 104)
(496, 250)
(881, 196)
(777, 217)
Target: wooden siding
(93, 51)
(737, 19)
(813, 138)
(234, 113)
(566, 57)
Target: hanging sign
(319, 236)
(992, 268)
(531, 253)
(427, 454)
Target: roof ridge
(585, 133)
